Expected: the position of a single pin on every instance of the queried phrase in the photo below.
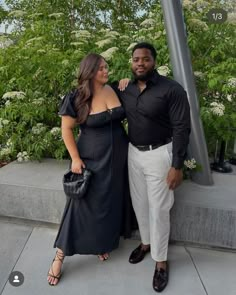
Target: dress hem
(83, 252)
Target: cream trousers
(151, 197)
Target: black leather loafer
(138, 254)
(160, 278)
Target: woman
(92, 225)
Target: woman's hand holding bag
(76, 185)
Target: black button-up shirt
(159, 112)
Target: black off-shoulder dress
(93, 225)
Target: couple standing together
(158, 116)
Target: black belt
(154, 146)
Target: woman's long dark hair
(88, 69)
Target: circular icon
(16, 278)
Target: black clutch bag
(76, 185)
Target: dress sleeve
(67, 107)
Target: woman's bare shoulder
(108, 90)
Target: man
(158, 117)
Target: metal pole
(182, 69)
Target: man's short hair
(147, 46)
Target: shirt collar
(154, 79)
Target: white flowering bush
(13, 95)
(5, 153)
(56, 15)
(190, 165)
(164, 70)
(219, 119)
(232, 82)
(39, 63)
(56, 132)
(6, 149)
(214, 69)
(217, 108)
(30, 127)
(16, 13)
(148, 22)
(3, 122)
(38, 129)
(109, 53)
(104, 42)
(22, 157)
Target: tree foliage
(40, 59)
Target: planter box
(205, 215)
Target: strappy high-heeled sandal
(58, 257)
(102, 258)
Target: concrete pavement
(27, 247)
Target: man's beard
(144, 77)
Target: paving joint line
(195, 266)
(17, 259)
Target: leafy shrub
(39, 62)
